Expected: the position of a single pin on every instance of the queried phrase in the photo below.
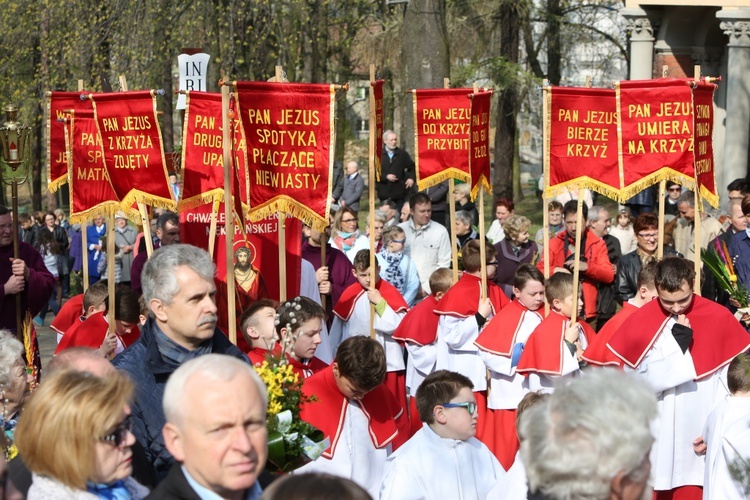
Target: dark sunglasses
(119, 433)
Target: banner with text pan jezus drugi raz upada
(132, 148)
(290, 134)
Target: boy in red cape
(78, 308)
(500, 346)
(352, 317)
(94, 332)
(595, 266)
(463, 314)
(355, 412)
(598, 353)
(300, 327)
(418, 330)
(681, 345)
(554, 347)
(258, 326)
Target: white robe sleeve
(336, 335)
(423, 357)
(666, 366)
(389, 321)
(498, 364)
(460, 333)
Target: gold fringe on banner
(583, 183)
(710, 197)
(106, 209)
(136, 196)
(201, 199)
(285, 204)
(483, 183)
(53, 186)
(663, 174)
(444, 175)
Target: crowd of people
(421, 387)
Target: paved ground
(47, 339)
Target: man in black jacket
(599, 223)
(178, 287)
(397, 171)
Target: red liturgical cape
(390, 293)
(257, 355)
(717, 335)
(499, 336)
(419, 326)
(91, 334)
(328, 412)
(69, 314)
(597, 352)
(544, 349)
(306, 370)
(462, 300)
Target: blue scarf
(115, 491)
(393, 273)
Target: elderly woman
(513, 250)
(14, 387)
(380, 220)
(464, 230)
(462, 192)
(646, 230)
(504, 208)
(75, 438)
(396, 267)
(345, 234)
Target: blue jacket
(150, 372)
(739, 250)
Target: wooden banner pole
(577, 262)
(111, 272)
(228, 214)
(84, 236)
(482, 242)
(545, 173)
(698, 215)
(371, 196)
(662, 200)
(214, 224)
(452, 212)
(279, 73)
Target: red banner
(58, 103)
(479, 135)
(377, 96)
(656, 141)
(203, 154)
(91, 193)
(132, 148)
(290, 135)
(263, 240)
(705, 171)
(581, 134)
(441, 135)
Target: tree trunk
(424, 42)
(507, 110)
(554, 21)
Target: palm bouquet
(718, 260)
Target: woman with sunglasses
(345, 234)
(75, 436)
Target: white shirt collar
(206, 494)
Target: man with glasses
(646, 229)
(26, 276)
(684, 241)
(674, 191)
(594, 266)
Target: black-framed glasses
(347, 221)
(120, 433)
(471, 407)
(399, 241)
(649, 236)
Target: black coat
(606, 298)
(627, 274)
(150, 372)
(402, 167)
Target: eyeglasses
(347, 221)
(493, 263)
(120, 433)
(401, 242)
(675, 189)
(648, 236)
(470, 407)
